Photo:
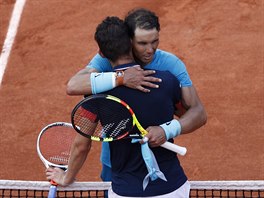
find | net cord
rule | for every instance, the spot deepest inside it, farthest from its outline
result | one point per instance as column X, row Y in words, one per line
column 213, row 185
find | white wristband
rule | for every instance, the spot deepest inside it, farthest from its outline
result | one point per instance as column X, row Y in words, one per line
column 172, row 129
column 101, row 82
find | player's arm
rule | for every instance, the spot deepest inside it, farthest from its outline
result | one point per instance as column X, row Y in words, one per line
column 191, row 116
column 134, row 77
column 80, row 149
column 195, row 116
column 80, row 83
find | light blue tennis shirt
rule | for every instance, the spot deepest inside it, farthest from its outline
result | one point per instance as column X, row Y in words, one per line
column 163, row 61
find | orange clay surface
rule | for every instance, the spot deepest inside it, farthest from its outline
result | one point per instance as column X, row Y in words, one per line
column 220, row 41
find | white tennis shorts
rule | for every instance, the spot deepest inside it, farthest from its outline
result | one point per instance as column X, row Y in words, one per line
column 182, row 192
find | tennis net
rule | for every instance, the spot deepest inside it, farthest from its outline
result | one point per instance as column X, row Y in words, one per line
column 223, row 189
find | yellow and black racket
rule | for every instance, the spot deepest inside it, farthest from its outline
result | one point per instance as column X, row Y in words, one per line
column 107, row 118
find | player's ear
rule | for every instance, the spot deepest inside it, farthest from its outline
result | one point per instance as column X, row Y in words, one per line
column 101, row 53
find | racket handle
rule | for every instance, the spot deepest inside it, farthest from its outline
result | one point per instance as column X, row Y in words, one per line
column 52, row 190
column 175, row 148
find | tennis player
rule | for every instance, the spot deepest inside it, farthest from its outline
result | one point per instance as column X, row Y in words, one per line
column 144, row 30
column 153, row 110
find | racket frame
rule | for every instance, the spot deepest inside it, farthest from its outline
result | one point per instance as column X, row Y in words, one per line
column 45, row 161
column 53, row 185
column 168, row 145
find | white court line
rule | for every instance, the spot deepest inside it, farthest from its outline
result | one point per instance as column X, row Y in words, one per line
column 10, row 36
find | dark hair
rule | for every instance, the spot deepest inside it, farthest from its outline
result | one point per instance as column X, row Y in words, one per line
column 141, row 18
column 112, row 38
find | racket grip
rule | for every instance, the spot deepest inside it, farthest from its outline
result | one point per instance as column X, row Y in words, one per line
column 52, row 190
column 175, row 148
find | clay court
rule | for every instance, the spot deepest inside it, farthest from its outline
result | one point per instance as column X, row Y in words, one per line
column 220, row 41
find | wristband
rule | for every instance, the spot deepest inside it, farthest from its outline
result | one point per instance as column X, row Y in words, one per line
column 172, row 129
column 101, row 82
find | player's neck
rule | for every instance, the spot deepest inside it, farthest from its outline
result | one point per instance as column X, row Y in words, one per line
column 123, row 60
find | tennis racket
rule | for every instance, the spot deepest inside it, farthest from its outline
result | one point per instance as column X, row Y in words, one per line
column 107, row 118
column 53, row 147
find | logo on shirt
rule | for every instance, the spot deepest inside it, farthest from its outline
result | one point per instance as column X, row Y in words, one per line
column 168, row 123
column 97, row 74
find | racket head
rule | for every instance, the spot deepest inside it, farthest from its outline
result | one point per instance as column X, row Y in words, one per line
column 54, row 144
column 103, row 117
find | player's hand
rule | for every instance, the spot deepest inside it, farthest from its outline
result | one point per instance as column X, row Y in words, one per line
column 57, row 175
column 156, row 136
column 137, row 78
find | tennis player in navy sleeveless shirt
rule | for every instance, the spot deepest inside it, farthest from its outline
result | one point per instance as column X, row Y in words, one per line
column 152, row 109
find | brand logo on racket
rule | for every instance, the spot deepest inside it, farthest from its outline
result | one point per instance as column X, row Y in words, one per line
column 117, row 130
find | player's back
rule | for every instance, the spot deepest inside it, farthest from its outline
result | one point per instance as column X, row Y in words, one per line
column 151, row 109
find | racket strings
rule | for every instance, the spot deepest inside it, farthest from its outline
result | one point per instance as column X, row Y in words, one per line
column 121, row 126
column 55, row 144
column 109, row 119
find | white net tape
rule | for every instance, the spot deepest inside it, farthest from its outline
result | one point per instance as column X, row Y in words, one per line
column 43, row 185
column 199, row 189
